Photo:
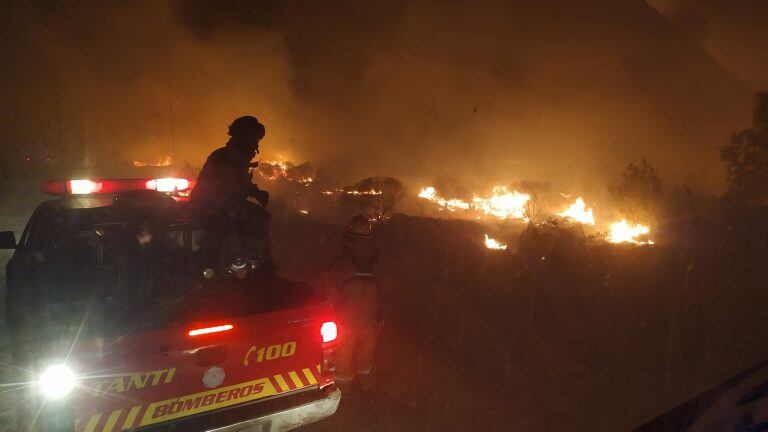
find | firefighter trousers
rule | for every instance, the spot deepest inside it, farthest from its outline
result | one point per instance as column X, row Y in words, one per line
column 355, row 355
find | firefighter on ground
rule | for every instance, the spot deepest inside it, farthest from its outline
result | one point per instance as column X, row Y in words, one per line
column 228, row 206
column 356, row 296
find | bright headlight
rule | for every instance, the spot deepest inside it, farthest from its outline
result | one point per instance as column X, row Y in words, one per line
column 57, row 381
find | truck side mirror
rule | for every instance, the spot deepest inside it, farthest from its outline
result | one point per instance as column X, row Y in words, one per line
column 7, row 240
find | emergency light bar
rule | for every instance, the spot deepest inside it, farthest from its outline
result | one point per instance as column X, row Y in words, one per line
column 113, row 186
column 168, row 184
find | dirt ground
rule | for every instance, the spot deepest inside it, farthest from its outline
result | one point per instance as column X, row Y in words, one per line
column 592, row 339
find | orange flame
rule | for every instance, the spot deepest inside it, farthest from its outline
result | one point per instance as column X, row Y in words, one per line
column 623, row 232
column 505, row 204
column 579, row 212
column 492, row 243
column 164, row 161
column 453, row 204
column 502, row 203
column 274, row 170
column 352, row 192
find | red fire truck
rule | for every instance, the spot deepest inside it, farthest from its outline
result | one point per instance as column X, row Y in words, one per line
column 114, row 327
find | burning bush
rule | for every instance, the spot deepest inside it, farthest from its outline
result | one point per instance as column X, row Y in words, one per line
column 376, row 196
column 288, row 171
column 538, row 196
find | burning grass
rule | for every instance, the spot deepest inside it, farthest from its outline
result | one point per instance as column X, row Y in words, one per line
column 524, row 202
column 494, row 244
column 501, row 203
column 624, row 232
column 161, row 162
column 505, row 204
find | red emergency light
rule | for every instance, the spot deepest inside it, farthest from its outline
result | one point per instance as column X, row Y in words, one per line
column 113, row 186
column 209, row 330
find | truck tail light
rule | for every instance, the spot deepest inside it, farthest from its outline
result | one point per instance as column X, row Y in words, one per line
column 209, row 330
column 330, row 334
column 329, row 331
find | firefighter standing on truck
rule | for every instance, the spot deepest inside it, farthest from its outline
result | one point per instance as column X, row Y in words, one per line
column 229, row 208
column 356, row 296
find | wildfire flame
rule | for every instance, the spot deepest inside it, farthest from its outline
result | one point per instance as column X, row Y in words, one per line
column 502, row 204
column 579, row 212
column 506, row 204
column 623, row 232
column 274, row 170
column 352, row 192
column 164, row 161
column 492, row 243
column 430, row 193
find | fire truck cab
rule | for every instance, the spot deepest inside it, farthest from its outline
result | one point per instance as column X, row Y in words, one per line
column 114, row 327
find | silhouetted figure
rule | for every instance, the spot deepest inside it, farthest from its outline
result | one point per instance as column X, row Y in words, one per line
column 226, row 204
column 356, row 296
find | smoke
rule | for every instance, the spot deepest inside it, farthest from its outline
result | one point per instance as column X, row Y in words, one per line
column 127, row 81
column 734, row 33
column 489, row 91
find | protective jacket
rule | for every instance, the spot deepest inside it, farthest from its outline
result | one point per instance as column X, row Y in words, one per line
column 224, row 183
column 234, row 227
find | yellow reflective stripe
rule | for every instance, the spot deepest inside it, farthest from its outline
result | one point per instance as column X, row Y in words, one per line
column 169, row 375
column 92, row 422
column 112, row 420
column 319, row 369
column 131, row 417
column 281, row 382
column 296, row 380
column 310, row 376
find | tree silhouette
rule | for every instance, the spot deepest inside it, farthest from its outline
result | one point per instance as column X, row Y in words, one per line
column 536, row 204
column 746, row 158
column 639, row 193
column 376, row 196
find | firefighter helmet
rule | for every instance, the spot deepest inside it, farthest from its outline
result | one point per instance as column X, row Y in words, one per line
column 246, row 126
column 359, row 227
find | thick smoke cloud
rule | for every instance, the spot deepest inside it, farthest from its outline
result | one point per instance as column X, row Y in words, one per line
column 126, row 80
column 480, row 91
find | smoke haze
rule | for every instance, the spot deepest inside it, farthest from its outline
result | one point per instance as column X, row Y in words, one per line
column 564, row 91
